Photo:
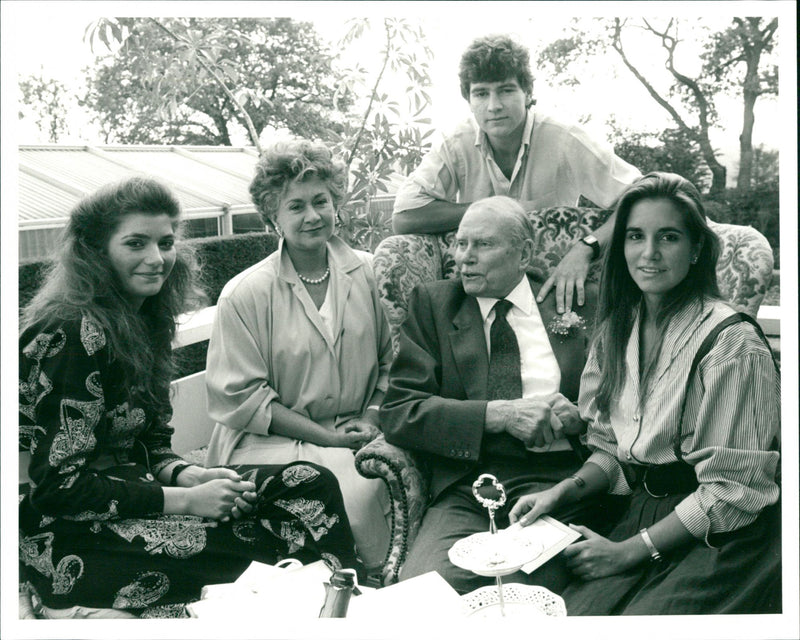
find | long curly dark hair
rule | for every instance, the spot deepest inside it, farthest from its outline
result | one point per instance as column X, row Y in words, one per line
column 81, row 281
column 620, row 296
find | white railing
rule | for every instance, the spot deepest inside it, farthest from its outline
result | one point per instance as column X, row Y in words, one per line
column 190, row 418
column 194, row 327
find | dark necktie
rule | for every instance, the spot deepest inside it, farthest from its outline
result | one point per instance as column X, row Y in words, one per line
column 504, row 383
column 505, row 379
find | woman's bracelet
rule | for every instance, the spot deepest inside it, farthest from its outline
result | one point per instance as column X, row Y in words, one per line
column 655, row 556
column 176, row 471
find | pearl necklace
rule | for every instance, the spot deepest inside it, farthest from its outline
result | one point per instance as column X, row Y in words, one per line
column 319, row 280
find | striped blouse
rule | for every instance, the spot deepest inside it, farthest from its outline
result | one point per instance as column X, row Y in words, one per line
column 732, row 416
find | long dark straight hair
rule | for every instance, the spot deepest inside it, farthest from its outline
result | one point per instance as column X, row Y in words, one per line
column 81, row 282
column 620, row 297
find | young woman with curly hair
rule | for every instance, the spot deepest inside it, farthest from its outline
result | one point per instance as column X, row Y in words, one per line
column 112, row 517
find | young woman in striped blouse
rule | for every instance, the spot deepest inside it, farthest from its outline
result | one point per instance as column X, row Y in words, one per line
column 693, row 452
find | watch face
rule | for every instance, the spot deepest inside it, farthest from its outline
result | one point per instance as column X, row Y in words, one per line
column 594, row 244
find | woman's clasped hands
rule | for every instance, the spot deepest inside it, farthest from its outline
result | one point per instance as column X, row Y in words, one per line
column 357, row 432
column 218, row 493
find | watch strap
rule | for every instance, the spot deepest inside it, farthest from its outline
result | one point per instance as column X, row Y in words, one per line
column 593, row 244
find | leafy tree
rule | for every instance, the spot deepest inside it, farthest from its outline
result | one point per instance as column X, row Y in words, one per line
column 733, row 58
column 383, row 137
column 171, row 64
column 44, row 100
column 690, row 97
column 197, row 81
column 671, row 150
column 758, row 206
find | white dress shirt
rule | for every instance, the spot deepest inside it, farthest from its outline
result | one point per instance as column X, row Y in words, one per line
column 541, row 375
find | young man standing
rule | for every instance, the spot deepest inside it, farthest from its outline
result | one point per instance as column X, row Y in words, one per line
column 509, row 148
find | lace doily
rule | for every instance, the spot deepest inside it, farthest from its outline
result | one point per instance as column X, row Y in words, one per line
column 520, row 600
column 497, row 554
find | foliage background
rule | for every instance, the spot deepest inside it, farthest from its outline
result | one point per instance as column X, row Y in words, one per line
column 217, row 80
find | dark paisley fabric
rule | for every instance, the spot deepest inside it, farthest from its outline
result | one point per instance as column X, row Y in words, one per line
column 92, row 532
column 744, row 272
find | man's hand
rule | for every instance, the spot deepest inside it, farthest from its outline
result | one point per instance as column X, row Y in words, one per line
column 569, row 275
column 568, row 414
column 525, row 419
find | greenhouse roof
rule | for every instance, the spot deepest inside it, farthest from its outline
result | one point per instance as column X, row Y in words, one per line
column 53, row 178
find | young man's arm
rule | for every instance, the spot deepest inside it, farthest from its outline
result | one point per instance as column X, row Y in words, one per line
column 427, row 200
column 569, row 277
column 602, row 176
column 438, row 216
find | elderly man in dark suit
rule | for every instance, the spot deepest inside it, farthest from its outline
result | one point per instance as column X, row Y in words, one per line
column 484, row 382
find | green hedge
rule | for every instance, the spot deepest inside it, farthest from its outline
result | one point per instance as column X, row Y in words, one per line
column 758, row 208
column 190, row 359
column 30, row 279
column 220, row 259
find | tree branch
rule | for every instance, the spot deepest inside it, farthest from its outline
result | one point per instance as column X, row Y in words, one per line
column 617, row 44
column 213, row 73
column 360, row 133
column 670, row 43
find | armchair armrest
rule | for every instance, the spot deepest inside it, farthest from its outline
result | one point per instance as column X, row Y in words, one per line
column 744, row 268
column 407, row 479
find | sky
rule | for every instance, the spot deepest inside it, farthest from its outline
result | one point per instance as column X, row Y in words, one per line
column 49, row 35
column 58, row 49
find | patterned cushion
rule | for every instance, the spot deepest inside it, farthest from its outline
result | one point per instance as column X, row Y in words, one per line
column 401, row 262
column 744, row 269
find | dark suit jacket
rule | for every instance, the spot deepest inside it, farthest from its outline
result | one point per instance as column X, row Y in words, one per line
column 436, row 400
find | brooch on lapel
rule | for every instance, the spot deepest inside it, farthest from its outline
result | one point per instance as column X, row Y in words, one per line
column 566, row 324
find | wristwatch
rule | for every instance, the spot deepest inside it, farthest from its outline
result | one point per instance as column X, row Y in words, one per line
column 594, row 244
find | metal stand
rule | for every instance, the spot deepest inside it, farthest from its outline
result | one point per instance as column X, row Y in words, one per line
column 492, row 504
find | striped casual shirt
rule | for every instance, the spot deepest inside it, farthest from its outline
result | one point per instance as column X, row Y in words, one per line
column 732, row 417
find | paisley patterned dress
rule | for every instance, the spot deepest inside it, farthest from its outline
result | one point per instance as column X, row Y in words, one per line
column 92, row 528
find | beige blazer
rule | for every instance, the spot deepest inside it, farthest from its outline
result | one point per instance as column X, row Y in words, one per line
column 270, row 344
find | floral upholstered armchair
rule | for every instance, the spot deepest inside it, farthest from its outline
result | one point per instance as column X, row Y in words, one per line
column 401, row 262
